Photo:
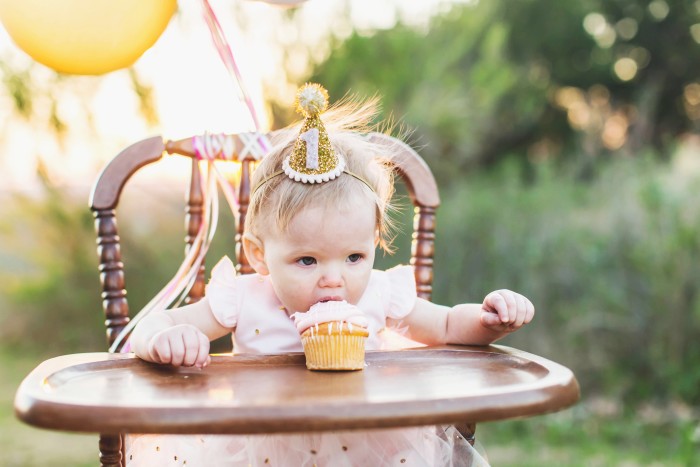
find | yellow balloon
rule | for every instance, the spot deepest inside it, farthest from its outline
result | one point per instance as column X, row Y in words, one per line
column 86, row 37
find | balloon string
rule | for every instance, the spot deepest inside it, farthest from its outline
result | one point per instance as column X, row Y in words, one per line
column 224, row 50
column 254, row 144
column 207, row 148
column 185, row 274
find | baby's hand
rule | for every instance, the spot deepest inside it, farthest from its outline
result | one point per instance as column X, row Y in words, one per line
column 182, row 344
column 506, row 311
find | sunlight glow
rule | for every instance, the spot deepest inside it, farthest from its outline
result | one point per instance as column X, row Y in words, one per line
column 192, row 91
column 597, row 26
column 659, row 9
column 627, row 28
column 615, row 131
column 695, row 32
column 592, row 113
column 594, row 24
column 691, row 100
column 625, row 68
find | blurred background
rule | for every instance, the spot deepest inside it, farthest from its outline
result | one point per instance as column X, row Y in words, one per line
column 565, row 137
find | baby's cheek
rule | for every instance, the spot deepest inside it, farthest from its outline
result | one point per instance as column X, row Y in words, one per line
column 358, row 287
column 299, row 295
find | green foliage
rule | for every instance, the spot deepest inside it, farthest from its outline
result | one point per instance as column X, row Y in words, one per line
column 582, row 43
column 50, row 289
column 17, row 84
column 49, row 286
column 582, row 436
column 146, row 98
column 455, row 84
column 612, row 266
column 36, row 96
column 25, row 446
column 541, row 79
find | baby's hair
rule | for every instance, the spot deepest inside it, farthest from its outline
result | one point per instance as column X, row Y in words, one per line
column 275, row 202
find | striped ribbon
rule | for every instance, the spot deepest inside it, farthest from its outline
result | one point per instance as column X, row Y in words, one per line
column 207, row 148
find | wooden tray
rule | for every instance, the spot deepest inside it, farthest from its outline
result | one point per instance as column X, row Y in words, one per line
column 109, row 393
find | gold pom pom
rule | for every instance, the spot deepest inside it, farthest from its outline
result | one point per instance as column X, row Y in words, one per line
column 311, row 100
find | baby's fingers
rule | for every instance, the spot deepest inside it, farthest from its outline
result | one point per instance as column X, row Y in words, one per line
column 200, row 355
column 491, row 320
column 501, row 303
column 529, row 312
column 203, row 358
column 194, row 345
column 179, row 345
column 520, row 311
column 159, row 349
column 178, row 349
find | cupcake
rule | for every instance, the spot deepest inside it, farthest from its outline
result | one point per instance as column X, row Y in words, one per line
column 333, row 335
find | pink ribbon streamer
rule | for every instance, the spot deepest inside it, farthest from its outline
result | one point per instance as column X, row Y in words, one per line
column 226, row 55
column 206, row 148
column 186, row 274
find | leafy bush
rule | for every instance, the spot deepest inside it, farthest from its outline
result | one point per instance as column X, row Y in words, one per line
column 50, row 282
column 51, row 286
column 611, row 265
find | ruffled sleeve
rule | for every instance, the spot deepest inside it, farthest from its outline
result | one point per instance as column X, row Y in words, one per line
column 401, row 292
column 224, row 298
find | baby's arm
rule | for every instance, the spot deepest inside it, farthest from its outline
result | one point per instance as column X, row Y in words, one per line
column 502, row 312
column 179, row 336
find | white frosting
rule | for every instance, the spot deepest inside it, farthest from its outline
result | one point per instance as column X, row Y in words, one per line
column 324, row 312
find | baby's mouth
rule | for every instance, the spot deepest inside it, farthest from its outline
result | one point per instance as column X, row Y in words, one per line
column 330, row 299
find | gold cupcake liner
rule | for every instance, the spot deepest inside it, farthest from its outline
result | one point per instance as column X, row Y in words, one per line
column 334, row 351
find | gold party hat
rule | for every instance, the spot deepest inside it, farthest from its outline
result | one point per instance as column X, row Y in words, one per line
column 313, row 159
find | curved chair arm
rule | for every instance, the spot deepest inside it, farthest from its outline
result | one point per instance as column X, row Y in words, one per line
column 423, row 190
column 105, row 192
column 415, row 172
column 104, row 198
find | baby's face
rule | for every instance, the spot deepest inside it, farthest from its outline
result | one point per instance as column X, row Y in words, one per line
column 326, row 254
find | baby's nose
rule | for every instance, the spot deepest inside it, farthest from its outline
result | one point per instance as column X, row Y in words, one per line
column 332, row 277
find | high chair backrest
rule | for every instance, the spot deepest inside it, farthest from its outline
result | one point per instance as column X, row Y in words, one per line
column 106, row 193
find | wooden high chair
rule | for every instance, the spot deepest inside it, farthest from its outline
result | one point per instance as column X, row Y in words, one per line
column 431, row 385
column 107, row 190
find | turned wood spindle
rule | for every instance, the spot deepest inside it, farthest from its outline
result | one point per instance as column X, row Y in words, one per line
column 193, row 222
column 423, row 250
column 111, row 270
column 242, row 264
column 111, row 451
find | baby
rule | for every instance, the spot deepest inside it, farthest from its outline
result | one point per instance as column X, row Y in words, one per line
column 318, row 210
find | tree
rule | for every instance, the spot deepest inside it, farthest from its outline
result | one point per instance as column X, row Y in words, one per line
column 533, row 77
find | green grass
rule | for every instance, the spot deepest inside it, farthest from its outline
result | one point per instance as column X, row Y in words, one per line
column 580, row 436
column 25, row 446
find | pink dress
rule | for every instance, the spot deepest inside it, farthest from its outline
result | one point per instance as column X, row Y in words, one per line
column 261, row 325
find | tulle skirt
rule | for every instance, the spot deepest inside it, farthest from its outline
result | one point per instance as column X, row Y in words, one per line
column 427, row 446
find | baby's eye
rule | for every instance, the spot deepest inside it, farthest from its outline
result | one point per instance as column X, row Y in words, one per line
column 306, row 260
column 354, row 258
